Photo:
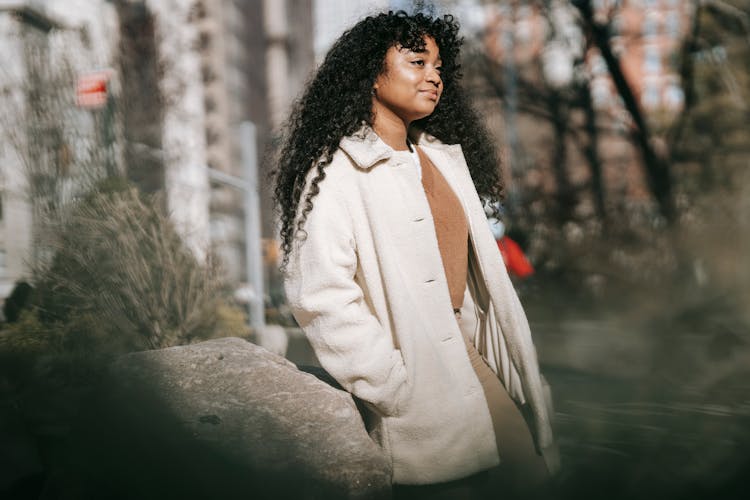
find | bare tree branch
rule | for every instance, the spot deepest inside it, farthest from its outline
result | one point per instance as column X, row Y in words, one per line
column 657, row 168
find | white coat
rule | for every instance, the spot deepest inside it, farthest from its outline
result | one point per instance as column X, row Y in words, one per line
column 367, row 286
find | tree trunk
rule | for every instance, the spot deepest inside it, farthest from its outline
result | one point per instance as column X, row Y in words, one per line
column 657, row 168
column 591, row 151
column 565, row 198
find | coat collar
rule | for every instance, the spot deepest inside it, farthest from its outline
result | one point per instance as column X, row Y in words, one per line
column 366, row 148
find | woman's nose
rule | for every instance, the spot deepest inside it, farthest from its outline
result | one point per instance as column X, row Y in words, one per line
column 433, row 77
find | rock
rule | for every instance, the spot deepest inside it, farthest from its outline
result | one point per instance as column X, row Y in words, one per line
column 227, row 419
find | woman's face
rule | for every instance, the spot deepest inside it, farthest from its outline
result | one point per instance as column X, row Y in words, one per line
column 409, row 87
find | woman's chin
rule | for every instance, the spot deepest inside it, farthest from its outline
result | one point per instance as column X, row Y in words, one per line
column 423, row 114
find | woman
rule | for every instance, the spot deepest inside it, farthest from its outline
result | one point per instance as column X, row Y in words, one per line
column 391, row 269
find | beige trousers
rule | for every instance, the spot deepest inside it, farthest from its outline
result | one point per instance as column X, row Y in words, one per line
column 520, row 467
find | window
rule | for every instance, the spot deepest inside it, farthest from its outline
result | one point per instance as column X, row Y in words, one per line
column 600, row 94
column 674, row 97
column 207, row 73
column 204, row 41
column 618, row 46
column 524, row 24
column 616, row 26
column 209, row 103
column 598, row 65
column 651, row 98
column 198, row 11
column 524, row 12
column 651, row 25
column 212, row 136
column 672, row 23
column 651, row 59
column 2, row 262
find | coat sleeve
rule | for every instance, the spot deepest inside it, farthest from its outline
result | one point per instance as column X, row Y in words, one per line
column 330, row 307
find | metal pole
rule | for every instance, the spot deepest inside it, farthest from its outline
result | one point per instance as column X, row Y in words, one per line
column 253, row 250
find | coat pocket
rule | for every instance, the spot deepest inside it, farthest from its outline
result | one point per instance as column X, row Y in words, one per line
column 391, row 404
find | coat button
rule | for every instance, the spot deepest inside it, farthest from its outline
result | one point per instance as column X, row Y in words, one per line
column 418, row 219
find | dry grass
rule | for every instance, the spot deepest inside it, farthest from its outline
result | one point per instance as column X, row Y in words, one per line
column 120, row 262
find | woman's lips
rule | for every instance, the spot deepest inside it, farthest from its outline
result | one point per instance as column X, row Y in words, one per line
column 432, row 94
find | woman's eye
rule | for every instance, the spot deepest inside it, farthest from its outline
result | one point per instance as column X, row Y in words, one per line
column 418, row 62
column 439, row 69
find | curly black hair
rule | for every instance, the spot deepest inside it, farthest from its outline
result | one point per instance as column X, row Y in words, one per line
column 338, row 100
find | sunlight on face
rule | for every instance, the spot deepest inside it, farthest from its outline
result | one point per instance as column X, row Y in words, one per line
column 410, row 86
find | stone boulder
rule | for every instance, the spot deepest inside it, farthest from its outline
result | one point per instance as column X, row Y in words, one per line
column 228, row 419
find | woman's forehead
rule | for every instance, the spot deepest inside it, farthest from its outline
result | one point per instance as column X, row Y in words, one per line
column 428, row 47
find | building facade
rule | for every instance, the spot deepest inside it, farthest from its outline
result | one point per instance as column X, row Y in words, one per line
column 45, row 139
column 184, row 75
column 15, row 209
column 646, row 35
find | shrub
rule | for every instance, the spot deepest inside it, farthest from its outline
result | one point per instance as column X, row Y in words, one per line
column 122, row 279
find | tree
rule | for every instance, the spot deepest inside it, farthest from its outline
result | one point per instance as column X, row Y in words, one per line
column 687, row 157
column 656, row 166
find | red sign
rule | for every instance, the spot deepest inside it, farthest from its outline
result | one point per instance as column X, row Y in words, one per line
column 91, row 89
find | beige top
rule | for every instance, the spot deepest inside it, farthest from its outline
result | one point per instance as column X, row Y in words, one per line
column 450, row 226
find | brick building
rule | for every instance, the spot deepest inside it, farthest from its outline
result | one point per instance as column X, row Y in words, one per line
column 646, row 36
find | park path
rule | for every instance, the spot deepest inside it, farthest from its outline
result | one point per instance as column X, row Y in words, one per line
column 648, row 411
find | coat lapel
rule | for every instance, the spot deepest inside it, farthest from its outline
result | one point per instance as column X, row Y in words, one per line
column 486, row 261
column 448, row 159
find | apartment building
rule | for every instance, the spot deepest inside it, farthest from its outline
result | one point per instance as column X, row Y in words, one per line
column 255, row 57
column 43, row 135
column 646, row 36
